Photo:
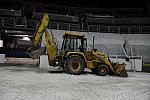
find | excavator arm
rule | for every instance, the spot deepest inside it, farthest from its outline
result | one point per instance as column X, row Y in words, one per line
column 41, row 29
column 36, row 51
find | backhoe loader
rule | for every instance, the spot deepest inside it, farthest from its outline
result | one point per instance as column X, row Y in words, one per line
column 73, row 57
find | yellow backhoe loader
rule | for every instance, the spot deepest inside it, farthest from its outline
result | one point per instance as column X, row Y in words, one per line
column 73, row 56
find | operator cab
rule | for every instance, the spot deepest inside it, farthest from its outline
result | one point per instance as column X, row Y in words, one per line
column 73, row 42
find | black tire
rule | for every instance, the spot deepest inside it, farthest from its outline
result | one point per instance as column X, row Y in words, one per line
column 75, row 65
column 102, row 70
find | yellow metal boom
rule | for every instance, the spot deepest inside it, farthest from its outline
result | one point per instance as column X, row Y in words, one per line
column 50, row 41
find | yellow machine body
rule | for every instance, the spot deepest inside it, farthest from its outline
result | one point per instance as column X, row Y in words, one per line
column 72, row 57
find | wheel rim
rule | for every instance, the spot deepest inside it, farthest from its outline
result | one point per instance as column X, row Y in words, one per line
column 102, row 71
column 75, row 65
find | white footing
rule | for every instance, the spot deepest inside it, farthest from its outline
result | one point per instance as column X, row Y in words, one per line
column 44, row 64
column 2, row 58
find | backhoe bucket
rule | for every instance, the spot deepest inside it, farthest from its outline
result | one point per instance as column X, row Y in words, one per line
column 35, row 54
column 120, row 70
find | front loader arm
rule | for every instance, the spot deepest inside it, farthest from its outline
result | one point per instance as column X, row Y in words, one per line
column 105, row 60
column 118, row 69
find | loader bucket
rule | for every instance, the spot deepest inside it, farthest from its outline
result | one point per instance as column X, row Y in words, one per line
column 120, row 70
column 123, row 73
column 34, row 54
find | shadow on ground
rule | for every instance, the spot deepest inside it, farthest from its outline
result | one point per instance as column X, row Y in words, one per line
column 13, row 67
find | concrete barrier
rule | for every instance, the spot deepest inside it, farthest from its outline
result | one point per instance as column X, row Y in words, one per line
column 134, row 63
column 2, row 58
column 44, row 64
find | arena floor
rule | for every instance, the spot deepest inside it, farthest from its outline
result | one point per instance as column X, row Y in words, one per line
column 27, row 82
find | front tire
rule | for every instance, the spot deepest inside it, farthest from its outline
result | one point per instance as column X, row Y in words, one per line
column 75, row 65
column 102, row 70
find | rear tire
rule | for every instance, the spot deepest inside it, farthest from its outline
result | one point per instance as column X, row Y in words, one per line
column 75, row 65
column 64, row 67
